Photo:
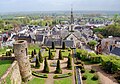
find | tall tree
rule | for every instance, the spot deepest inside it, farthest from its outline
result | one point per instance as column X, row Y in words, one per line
column 58, row 69
column 63, row 45
column 35, row 52
column 50, row 55
column 46, row 68
column 37, row 63
column 53, row 45
column 40, row 57
column 32, row 54
column 69, row 62
column 60, row 55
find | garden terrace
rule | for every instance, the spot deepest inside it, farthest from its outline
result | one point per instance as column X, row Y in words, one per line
column 46, row 53
column 89, row 77
column 3, row 50
column 32, row 47
column 4, row 65
column 65, row 52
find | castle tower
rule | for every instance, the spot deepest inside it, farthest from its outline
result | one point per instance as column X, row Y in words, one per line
column 20, row 51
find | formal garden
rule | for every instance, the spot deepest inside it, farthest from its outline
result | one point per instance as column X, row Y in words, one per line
column 50, row 64
column 109, row 64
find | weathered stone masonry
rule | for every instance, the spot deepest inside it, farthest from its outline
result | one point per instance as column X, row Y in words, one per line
column 20, row 51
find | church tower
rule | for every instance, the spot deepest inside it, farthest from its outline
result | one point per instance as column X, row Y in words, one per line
column 71, row 20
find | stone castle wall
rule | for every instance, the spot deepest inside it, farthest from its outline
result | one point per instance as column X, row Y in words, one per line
column 12, row 75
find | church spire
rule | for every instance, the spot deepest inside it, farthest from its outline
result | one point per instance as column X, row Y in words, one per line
column 72, row 18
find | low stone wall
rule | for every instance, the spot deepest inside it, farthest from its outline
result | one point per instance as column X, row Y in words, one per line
column 12, row 75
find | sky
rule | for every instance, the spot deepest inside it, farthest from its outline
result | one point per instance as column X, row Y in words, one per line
column 58, row 5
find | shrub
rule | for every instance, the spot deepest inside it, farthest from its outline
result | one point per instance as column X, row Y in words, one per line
column 53, row 45
column 69, row 62
column 50, row 55
column 46, row 68
column 63, row 45
column 40, row 57
column 58, row 69
column 46, row 48
column 69, row 49
column 62, row 75
column 82, row 70
column 35, row 52
column 80, row 66
column 92, row 71
column 84, row 77
column 95, row 77
column 60, row 55
column 39, row 75
column 37, row 63
column 32, row 54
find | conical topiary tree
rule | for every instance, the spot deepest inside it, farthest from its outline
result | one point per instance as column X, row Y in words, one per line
column 58, row 69
column 50, row 55
column 35, row 52
column 60, row 55
column 40, row 57
column 53, row 45
column 32, row 54
column 37, row 63
column 46, row 68
column 63, row 45
column 69, row 62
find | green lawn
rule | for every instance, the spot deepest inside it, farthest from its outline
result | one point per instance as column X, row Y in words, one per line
column 37, row 81
column 65, row 53
column 4, row 65
column 32, row 47
column 63, row 81
column 45, row 53
column 89, row 78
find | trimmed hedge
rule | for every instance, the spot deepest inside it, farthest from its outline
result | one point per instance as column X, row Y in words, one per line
column 95, row 77
column 92, row 71
column 62, row 75
column 82, row 70
column 84, row 77
column 39, row 75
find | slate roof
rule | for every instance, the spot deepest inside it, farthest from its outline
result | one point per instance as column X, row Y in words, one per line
column 58, row 42
column 116, row 51
column 69, row 43
column 39, row 38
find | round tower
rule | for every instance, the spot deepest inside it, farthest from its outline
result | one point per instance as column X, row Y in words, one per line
column 20, row 51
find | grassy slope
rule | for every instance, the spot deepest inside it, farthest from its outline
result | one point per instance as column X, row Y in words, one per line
column 4, row 65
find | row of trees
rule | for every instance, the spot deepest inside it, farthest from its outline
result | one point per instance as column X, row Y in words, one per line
column 39, row 59
column 63, row 45
column 111, row 30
